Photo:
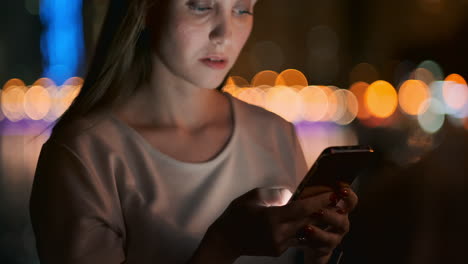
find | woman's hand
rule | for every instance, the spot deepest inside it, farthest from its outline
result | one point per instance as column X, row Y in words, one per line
column 326, row 232
column 259, row 223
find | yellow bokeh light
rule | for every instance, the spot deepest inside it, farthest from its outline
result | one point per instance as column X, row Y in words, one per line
column 412, row 95
column 37, row 102
column 359, row 89
column 285, row 102
column 64, row 98
column 264, row 78
column 381, row 99
column 347, row 107
column 332, row 103
column 230, row 88
column 237, row 81
column 254, row 96
column 314, row 103
column 12, row 103
column 291, row 77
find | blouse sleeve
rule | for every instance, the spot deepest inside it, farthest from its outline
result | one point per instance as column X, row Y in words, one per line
column 75, row 214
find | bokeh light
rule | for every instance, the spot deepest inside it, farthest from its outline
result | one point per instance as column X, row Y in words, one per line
column 44, row 82
column 264, row 78
column 359, row 89
column 314, row 103
column 347, row 107
column 37, row 102
column 381, row 99
column 332, row 102
column 237, row 81
column 255, row 96
column 13, row 82
column 412, row 95
column 285, row 102
column 2, row 116
column 423, row 75
column 65, row 97
column 12, row 103
column 433, row 68
column 291, row 77
column 455, row 93
column 432, row 119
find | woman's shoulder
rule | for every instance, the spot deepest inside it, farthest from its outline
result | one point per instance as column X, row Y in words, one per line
column 92, row 131
column 258, row 118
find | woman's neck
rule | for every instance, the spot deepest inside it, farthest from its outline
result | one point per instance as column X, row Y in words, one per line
column 172, row 104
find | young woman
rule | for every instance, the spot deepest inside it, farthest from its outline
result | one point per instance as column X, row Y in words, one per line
column 153, row 164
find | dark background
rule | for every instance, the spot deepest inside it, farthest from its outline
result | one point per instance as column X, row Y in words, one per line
column 413, row 201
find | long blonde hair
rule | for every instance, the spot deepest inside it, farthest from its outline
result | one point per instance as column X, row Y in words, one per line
column 122, row 54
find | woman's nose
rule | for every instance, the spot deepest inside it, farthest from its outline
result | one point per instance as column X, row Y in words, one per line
column 222, row 30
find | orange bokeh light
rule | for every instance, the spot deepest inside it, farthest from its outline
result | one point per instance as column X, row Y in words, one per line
column 381, row 99
column 13, row 82
column 291, row 77
column 456, row 78
column 412, row 95
column 44, row 82
column 359, row 90
column 264, row 78
column 237, row 81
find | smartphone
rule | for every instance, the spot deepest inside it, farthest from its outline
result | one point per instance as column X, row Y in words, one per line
column 337, row 164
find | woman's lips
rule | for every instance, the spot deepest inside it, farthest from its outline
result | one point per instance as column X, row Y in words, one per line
column 215, row 63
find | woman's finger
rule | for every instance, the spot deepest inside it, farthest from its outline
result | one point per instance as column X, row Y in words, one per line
column 335, row 220
column 301, row 209
column 349, row 199
column 318, row 238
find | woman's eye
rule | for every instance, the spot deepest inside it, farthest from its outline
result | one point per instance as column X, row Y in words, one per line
column 243, row 12
column 199, row 8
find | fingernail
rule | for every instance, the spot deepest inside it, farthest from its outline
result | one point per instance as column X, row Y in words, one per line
column 343, row 193
column 341, row 211
column 319, row 213
column 309, row 230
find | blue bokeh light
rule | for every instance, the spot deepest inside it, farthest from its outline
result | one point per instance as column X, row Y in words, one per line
column 62, row 42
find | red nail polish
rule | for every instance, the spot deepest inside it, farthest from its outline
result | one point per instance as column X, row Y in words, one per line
column 341, row 211
column 319, row 213
column 344, row 193
column 309, row 230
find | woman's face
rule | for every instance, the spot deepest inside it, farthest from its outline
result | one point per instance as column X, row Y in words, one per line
column 198, row 41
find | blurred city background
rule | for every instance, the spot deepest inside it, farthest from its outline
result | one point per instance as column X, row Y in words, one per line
column 390, row 74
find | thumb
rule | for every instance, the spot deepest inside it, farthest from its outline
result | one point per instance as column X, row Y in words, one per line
column 274, row 196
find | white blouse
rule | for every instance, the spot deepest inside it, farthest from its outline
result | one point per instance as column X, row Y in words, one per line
column 103, row 194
